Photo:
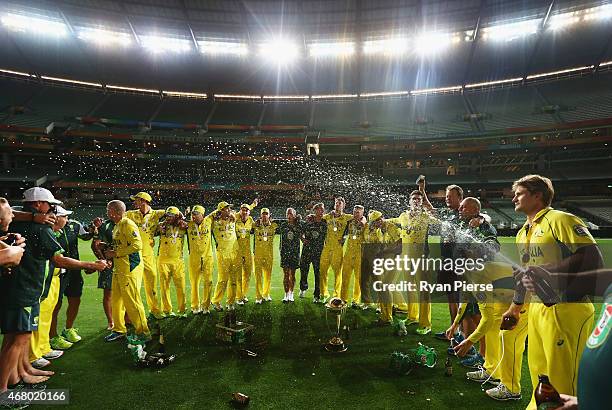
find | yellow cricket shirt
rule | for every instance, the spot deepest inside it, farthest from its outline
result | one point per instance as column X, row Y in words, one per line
column 171, row 244
column 127, row 243
column 147, row 224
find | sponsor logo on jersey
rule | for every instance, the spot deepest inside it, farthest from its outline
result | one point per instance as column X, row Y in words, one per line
column 581, row 230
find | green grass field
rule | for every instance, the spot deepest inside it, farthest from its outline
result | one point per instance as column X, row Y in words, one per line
column 292, row 371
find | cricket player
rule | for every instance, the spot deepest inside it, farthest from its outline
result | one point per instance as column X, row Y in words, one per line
column 265, row 230
column 199, row 241
column 244, row 226
column 224, row 232
column 414, row 230
column 332, row 251
column 560, row 242
column 127, row 274
column 313, row 239
column 103, row 237
column 147, row 220
column 351, row 261
column 170, row 263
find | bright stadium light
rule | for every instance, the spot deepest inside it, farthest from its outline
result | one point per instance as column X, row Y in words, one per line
column 140, row 90
column 512, row 31
column 105, row 38
column 431, row 43
column 69, row 81
column 185, row 94
column 563, row 20
column 384, row 94
column 20, row 73
column 18, row 22
column 280, row 51
column 158, row 44
column 390, row 46
column 223, row 47
column 342, row 49
column 598, row 13
column 440, row 90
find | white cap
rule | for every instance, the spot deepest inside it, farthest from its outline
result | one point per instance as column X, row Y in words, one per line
column 59, row 211
column 40, row 194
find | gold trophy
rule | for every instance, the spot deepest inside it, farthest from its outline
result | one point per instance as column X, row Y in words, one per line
column 337, row 307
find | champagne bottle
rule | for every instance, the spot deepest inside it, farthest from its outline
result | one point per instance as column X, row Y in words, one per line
column 546, row 396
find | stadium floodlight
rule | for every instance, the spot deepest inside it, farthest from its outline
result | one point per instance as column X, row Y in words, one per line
column 20, row 73
column 384, row 94
column 223, row 47
column 280, row 51
column 341, row 49
column 496, row 82
column 286, row 97
column 563, row 20
column 390, row 46
column 69, row 81
column 105, row 38
column 238, row 96
column 140, row 90
column 184, row 94
column 553, row 73
column 440, row 90
column 18, row 22
column 333, row 96
column 605, row 63
column 511, row 31
column 431, row 43
column 159, row 44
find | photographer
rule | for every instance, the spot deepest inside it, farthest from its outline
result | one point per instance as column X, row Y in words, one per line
column 11, row 247
column 21, row 290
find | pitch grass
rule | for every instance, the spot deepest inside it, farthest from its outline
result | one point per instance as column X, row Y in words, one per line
column 291, row 371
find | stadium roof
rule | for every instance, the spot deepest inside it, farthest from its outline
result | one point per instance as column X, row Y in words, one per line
column 487, row 40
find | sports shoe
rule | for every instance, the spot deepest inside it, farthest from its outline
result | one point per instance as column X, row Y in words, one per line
column 378, row 311
column 40, row 363
column 114, row 336
column 502, row 393
column 170, row 314
column 240, row 302
column 181, row 315
column 481, row 376
column 53, row 354
column 423, row 330
column 196, row 311
column 302, row 294
column 245, row 299
column 258, row 301
column 71, row 335
column 269, row 298
column 473, row 362
column 315, row 300
column 59, row 343
column 291, row 297
column 365, row 306
column 218, row 307
column 230, row 306
column 205, row 311
column 286, row 298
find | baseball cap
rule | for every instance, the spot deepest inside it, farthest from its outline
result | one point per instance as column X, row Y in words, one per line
column 199, row 209
column 39, row 194
column 247, row 206
column 142, row 195
column 172, row 210
column 265, row 211
column 374, row 215
column 59, row 211
column 222, row 205
column 318, row 205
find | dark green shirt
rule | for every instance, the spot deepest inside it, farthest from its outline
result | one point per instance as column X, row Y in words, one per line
column 105, row 234
column 69, row 238
column 315, row 232
column 595, row 371
column 26, row 285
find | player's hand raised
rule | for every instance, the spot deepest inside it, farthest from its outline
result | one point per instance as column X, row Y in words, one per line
column 44, row 219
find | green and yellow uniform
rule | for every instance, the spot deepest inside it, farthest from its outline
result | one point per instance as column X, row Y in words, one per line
column 147, row 225
column 332, row 252
column 199, row 238
column 224, row 232
column 557, row 334
column 127, row 277
column 39, row 344
column 351, row 261
column 245, row 254
column 264, row 256
column 171, row 267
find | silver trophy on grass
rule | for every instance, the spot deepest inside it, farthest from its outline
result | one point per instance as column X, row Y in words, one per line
column 336, row 307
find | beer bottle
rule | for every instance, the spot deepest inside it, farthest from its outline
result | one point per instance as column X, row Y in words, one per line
column 162, row 346
column 546, row 396
column 448, row 372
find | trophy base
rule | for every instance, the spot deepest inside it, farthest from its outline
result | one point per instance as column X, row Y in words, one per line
column 336, row 345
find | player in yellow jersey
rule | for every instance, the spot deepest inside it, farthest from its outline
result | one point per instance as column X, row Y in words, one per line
column 199, row 235
column 147, row 220
column 264, row 230
column 332, row 250
column 414, row 230
column 559, row 325
column 244, row 225
column 127, row 274
column 351, row 261
column 224, row 232
column 170, row 263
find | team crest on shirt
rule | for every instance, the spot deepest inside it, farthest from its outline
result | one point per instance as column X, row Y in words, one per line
column 134, row 234
column 581, row 230
column 602, row 330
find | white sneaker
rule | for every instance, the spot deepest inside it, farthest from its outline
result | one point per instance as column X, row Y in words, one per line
column 291, row 297
column 205, row 311
column 245, row 299
column 269, row 298
column 53, row 354
column 40, row 363
column 230, row 307
column 196, row 311
column 286, row 298
column 240, row 302
column 218, row 307
column 502, row 393
column 481, row 376
column 259, row 301
column 302, row 293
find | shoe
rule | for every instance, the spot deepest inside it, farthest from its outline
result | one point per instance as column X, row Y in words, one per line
column 378, row 311
column 269, row 298
column 71, row 335
column 218, row 307
column 422, row 330
column 40, row 363
column 181, row 315
column 473, row 362
column 230, row 307
column 502, row 393
column 315, row 300
column 302, row 294
column 258, row 301
column 114, row 336
column 53, row 354
column 285, row 299
column 196, row 311
column 170, row 314
column 240, row 302
column 481, row 376
column 206, row 311
column 245, row 299
column 365, row 306
column 59, row 343
column 291, row 297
